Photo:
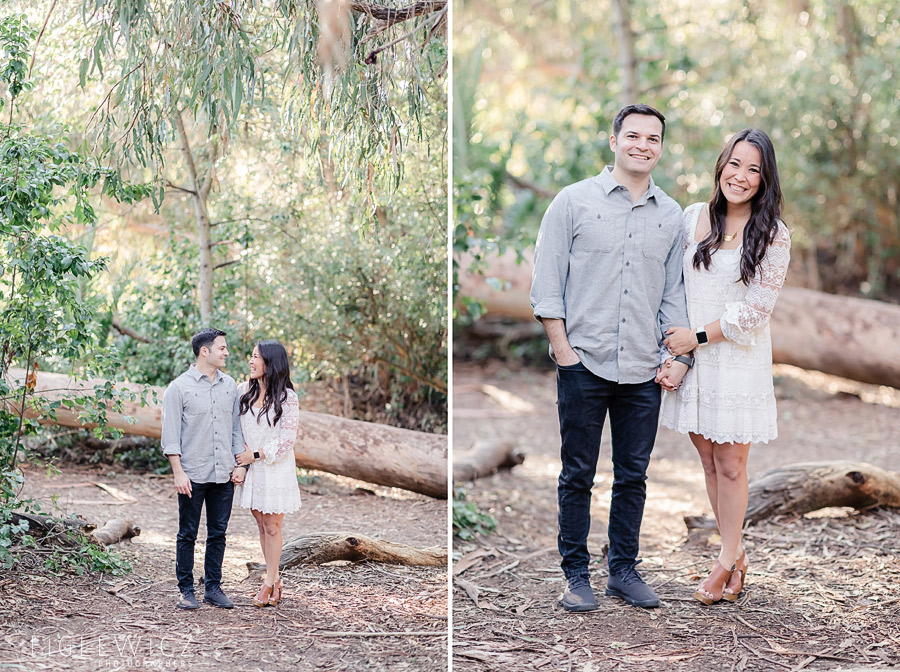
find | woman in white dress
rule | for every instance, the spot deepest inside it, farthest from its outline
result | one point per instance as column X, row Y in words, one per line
column 736, row 256
column 270, row 413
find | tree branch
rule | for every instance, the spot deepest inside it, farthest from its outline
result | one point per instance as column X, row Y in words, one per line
column 227, row 263
column 393, row 15
column 40, row 35
column 128, row 331
column 177, row 188
column 522, row 183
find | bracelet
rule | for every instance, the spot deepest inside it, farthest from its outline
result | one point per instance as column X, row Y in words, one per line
column 689, row 361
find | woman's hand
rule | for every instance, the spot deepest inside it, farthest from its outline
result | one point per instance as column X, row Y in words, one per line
column 238, row 475
column 246, row 458
column 680, row 340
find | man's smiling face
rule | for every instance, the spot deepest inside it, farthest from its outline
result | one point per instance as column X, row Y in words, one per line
column 638, row 144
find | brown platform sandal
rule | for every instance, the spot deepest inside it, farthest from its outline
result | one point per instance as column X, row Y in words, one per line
column 712, row 587
column 276, row 594
column 263, row 596
column 738, row 579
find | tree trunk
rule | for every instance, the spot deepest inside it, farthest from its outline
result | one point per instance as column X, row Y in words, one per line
column 840, row 335
column 199, row 195
column 486, row 458
column 315, row 549
column 116, row 530
column 627, row 59
column 380, row 454
column 810, row 486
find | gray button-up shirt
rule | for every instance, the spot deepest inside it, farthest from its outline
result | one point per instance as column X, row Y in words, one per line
column 200, row 422
column 611, row 269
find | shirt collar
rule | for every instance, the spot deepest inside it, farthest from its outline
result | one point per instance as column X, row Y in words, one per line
column 195, row 373
column 609, row 183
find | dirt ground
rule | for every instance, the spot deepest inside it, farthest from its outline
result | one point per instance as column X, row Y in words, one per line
column 338, row 616
column 822, row 589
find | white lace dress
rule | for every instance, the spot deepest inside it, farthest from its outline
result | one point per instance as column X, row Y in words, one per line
column 728, row 395
column 270, row 485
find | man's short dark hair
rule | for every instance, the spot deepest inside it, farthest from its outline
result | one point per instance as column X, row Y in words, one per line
column 204, row 339
column 640, row 108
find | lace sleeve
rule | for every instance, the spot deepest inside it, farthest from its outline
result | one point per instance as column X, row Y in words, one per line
column 742, row 319
column 688, row 233
column 287, row 430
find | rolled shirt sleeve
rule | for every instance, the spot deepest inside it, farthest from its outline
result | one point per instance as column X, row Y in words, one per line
column 237, row 434
column 673, row 307
column 171, row 420
column 551, row 261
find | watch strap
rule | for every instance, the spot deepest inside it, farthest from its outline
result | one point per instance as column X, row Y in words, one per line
column 689, row 361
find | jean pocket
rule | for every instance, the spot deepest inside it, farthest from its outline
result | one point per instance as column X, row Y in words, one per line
column 571, row 367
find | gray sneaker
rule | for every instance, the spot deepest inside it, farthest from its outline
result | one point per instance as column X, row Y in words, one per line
column 217, row 598
column 578, row 596
column 188, row 601
column 629, row 585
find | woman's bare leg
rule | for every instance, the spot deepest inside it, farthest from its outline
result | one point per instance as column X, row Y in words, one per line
column 705, row 451
column 732, row 489
column 273, row 540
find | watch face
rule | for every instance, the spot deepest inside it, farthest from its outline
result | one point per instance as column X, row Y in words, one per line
column 702, row 338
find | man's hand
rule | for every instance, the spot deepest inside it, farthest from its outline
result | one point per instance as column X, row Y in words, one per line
column 670, row 374
column 182, row 483
column 567, row 358
column 238, row 475
column 680, row 340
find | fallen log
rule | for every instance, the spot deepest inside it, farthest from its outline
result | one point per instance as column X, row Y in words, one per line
column 116, row 530
column 48, row 525
column 486, row 458
column 367, row 451
column 810, row 486
column 318, row 548
column 840, row 335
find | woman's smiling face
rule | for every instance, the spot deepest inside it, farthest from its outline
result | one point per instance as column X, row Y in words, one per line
column 257, row 365
column 741, row 176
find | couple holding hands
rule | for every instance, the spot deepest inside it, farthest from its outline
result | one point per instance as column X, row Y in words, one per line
column 634, row 295
column 226, row 442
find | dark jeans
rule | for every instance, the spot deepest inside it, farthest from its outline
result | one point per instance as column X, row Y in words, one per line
column 584, row 400
column 218, row 498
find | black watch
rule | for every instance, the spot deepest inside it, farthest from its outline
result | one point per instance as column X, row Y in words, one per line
column 255, row 454
column 685, row 360
column 702, row 336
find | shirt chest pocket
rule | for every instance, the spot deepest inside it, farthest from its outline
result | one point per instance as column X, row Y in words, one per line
column 196, row 403
column 656, row 241
column 596, row 235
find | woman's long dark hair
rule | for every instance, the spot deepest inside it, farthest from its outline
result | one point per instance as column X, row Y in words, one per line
column 277, row 379
column 764, row 213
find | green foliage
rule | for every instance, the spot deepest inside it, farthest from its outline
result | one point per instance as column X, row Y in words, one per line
column 44, row 317
column 212, row 60
column 81, row 555
column 818, row 79
column 468, row 521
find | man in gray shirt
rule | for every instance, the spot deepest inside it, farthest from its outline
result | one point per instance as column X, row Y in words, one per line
column 201, row 434
column 607, row 284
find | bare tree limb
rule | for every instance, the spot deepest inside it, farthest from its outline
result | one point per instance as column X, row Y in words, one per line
column 394, row 15
column 522, row 183
column 128, row 331
column 40, row 35
column 227, row 263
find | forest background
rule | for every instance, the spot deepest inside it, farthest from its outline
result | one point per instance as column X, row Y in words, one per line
column 274, row 169
column 535, row 93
